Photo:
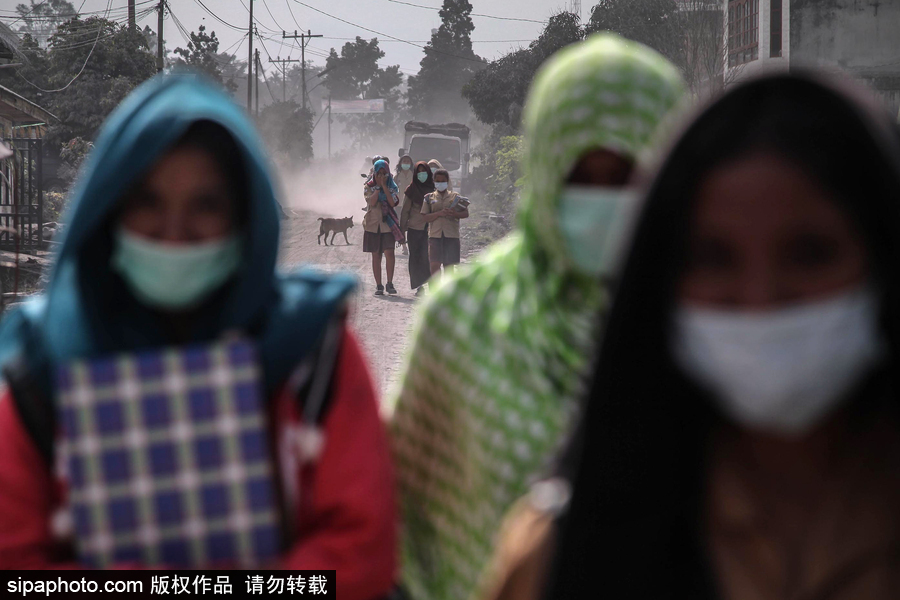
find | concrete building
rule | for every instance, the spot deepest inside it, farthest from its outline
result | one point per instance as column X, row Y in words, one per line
column 859, row 37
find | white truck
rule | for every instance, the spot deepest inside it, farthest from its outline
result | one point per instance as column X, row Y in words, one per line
column 447, row 143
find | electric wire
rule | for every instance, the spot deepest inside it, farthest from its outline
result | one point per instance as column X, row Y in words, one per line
column 473, row 14
column 313, row 8
column 218, row 18
column 91, row 53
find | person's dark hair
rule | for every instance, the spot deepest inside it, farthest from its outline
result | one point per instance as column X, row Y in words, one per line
column 638, row 456
column 400, row 162
column 417, row 189
column 216, row 141
column 443, row 172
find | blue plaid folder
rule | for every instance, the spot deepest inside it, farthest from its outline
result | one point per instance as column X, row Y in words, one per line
column 167, row 459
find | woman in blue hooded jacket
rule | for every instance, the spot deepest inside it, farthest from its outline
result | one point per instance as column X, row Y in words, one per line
column 172, row 242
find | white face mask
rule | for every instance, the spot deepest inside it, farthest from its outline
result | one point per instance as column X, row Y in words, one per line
column 781, row 370
column 595, row 223
column 405, row 166
column 441, row 186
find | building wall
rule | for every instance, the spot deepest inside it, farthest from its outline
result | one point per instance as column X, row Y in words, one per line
column 860, row 37
column 857, row 36
column 765, row 63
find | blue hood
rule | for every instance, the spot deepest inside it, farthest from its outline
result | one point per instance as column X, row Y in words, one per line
column 87, row 310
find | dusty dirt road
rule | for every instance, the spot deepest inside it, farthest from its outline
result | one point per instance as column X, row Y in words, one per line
column 382, row 322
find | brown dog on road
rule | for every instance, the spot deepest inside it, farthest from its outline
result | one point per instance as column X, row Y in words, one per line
column 334, row 226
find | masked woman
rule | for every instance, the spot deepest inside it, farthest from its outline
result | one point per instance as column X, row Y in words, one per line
column 170, row 248
column 381, row 224
column 742, row 436
column 412, row 222
column 442, row 213
column 403, row 177
column 493, row 375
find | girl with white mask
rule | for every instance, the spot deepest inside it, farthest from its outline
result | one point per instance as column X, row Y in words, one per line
column 514, row 331
column 741, row 439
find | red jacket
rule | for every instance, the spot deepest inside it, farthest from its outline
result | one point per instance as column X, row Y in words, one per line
column 346, row 512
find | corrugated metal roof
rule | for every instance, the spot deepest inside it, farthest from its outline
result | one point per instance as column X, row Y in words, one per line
column 15, row 108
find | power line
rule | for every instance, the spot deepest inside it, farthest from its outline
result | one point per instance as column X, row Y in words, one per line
column 235, row 45
column 257, row 21
column 217, row 17
column 344, row 39
column 181, row 28
column 274, row 20
column 91, row 53
column 473, row 14
column 33, row 8
column 266, row 80
column 68, row 16
column 314, row 51
column 476, row 60
column 283, row 62
column 79, row 44
column 88, row 31
column 291, row 10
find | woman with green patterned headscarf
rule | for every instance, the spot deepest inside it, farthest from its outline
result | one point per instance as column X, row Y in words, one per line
column 500, row 350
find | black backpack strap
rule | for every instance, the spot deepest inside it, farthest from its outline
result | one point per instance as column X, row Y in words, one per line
column 312, row 382
column 34, row 408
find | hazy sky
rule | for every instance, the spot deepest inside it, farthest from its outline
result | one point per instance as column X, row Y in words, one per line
column 492, row 37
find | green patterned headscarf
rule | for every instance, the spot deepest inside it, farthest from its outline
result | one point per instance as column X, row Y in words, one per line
column 500, row 348
column 604, row 93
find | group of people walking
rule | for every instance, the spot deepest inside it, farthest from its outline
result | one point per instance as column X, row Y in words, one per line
column 428, row 224
column 675, row 379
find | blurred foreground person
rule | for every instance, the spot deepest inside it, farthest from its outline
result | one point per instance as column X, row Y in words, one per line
column 742, row 436
column 169, row 257
column 413, row 224
column 381, row 224
column 494, row 372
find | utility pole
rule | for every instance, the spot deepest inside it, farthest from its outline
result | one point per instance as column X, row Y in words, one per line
column 250, row 64
column 329, row 126
column 159, row 36
column 304, row 38
column 132, row 23
column 283, row 62
column 257, row 83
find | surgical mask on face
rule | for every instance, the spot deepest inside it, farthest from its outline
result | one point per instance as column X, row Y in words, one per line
column 781, row 370
column 595, row 223
column 174, row 277
column 441, row 186
column 433, row 170
column 422, row 177
column 405, row 166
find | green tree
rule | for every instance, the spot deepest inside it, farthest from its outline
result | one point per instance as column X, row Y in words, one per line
column 202, row 54
column 35, row 69
column 355, row 75
column 650, row 22
column 448, row 65
column 232, row 70
column 287, row 128
column 497, row 92
column 96, row 73
column 40, row 18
